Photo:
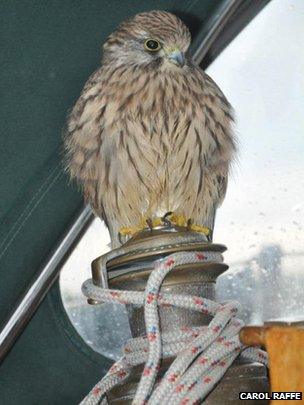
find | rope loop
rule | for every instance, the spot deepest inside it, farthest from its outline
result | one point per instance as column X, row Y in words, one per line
column 202, row 354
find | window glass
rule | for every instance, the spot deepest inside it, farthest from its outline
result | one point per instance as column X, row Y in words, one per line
column 103, row 327
column 262, row 218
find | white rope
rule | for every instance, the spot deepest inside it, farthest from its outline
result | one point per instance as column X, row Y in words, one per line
column 203, row 354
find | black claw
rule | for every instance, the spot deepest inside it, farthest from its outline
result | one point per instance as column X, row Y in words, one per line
column 165, row 219
column 149, row 223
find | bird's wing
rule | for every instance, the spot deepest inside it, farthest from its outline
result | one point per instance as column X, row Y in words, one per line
column 217, row 135
column 83, row 137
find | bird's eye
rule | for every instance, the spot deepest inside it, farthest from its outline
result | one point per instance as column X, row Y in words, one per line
column 152, row 45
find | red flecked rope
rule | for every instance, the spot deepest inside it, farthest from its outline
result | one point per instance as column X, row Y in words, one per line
column 203, row 354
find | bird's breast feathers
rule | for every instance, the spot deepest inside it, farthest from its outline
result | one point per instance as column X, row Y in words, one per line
column 144, row 142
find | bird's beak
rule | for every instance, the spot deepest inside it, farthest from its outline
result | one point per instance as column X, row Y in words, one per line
column 177, row 57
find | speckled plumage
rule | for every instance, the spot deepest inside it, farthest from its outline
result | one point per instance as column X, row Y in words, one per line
column 148, row 136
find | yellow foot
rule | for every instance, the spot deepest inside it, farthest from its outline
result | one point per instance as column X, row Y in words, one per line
column 169, row 219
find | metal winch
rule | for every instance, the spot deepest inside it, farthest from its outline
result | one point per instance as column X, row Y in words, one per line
column 128, row 268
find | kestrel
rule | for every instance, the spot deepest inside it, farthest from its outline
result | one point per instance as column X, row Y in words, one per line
column 151, row 132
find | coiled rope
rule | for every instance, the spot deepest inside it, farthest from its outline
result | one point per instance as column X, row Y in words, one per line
column 203, row 354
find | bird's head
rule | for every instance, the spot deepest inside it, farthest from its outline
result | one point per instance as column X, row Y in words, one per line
column 155, row 38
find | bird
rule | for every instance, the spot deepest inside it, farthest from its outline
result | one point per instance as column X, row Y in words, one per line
column 151, row 133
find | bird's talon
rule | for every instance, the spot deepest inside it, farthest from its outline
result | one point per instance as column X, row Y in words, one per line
column 165, row 219
column 120, row 238
column 149, row 223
